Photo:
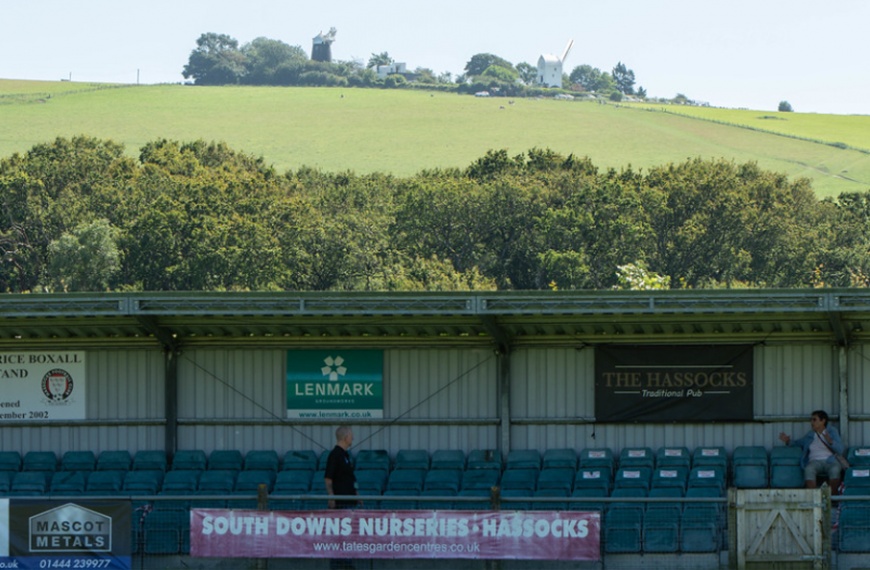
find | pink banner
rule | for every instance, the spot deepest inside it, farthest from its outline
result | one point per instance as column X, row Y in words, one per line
column 489, row 535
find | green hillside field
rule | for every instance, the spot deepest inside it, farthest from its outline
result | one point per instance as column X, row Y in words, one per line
column 405, row 131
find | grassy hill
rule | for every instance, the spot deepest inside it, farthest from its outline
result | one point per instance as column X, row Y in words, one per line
column 403, row 132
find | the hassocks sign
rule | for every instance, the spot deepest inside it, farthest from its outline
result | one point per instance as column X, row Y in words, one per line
column 339, row 384
column 688, row 383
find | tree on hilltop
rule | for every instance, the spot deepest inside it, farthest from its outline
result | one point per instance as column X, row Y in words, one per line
column 263, row 57
column 481, row 61
column 592, row 79
column 215, row 61
column 528, row 73
column 624, row 79
column 785, row 107
column 377, row 59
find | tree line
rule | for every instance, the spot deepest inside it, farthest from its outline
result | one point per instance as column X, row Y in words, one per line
column 218, row 59
column 81, row 215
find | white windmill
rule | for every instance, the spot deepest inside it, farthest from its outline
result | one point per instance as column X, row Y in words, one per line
column 550, row 67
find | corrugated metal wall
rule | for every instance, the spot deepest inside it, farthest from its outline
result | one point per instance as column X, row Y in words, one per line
column 124, row 387
column 859, row 396
column 430, row 396
column 434, row 399
column 790, row 381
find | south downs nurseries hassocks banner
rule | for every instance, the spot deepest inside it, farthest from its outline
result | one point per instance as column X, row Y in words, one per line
column 335, row 384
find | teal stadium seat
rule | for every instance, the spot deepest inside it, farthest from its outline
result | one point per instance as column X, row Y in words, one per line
column 671, row 476
column 262, row 459
column 115, row 460
column 559, row 478
column 708, row 476
column 10, row 461
column 636, row 457
column 673, row 457
column 412, row 459
column 562, row 458
column 39, row 461
column 6, row 482
column 248, row 483
column 181, row 482
column 293, row 482
column 78, row 461
column 216, row 482
column 633, row 477
column 661, row 531
column 594, row 477
column 710, row 457
column 300, row 460
column 523, row 459
column 225, row 460
column 149, row 460
column 597, row 457
column 318, row 487
column 588, row 496
column 448, row 459
column 480, row 479
column 751, row 467
column 143, row 482
column 164, row 529
column 30, row 483
column 105, row 482
column 189, row 460
column 854, row 528
column 443, row 480
column 525, row 480
column 857, row 456
column 373, row 459
column 69, row 482
column 411, row 480
column 484, row 459
column 623, row 524
column 857, row 478
column 374, row 480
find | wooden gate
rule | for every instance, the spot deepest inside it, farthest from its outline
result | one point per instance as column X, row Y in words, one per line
column 779, row 528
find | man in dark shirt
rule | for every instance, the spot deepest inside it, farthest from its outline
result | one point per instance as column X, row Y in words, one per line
column 340, row 480
column 339, row 477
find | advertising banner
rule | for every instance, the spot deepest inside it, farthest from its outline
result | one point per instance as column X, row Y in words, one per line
column 42, row 386
column 687, row 383
column 53, row 534
column 338, row 384
column 487, row 535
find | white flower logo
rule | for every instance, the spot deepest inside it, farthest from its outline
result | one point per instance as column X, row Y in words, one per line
column 333, row 368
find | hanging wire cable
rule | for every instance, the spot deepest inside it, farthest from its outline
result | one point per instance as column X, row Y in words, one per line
column 285, row 422
column 427, row 398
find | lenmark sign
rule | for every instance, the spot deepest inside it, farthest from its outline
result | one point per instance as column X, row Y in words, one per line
column 339, row 384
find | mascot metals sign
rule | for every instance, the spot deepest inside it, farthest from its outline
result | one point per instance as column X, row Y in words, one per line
column 335, row 384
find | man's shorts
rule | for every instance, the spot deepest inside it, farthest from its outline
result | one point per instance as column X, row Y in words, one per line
column 815, row 468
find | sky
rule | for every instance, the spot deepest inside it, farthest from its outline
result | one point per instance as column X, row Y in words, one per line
column 728, row 53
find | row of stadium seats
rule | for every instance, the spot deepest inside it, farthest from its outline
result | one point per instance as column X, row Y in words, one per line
column 748, row 467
